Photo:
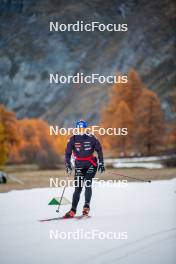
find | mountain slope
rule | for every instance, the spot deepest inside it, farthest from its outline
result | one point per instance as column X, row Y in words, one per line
column 29, row 52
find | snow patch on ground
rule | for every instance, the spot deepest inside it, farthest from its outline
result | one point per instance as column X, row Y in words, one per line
column 137, row 165
column 142, row 159
column 152, row 162
column 145, row 211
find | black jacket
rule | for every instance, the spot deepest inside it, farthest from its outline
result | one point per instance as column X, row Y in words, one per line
column 83, row 146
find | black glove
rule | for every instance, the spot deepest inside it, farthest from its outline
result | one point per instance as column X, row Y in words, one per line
column 68, row 168
column 101, row 167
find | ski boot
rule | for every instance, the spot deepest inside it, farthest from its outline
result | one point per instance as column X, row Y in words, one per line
column 70, row 214
column 86, row 210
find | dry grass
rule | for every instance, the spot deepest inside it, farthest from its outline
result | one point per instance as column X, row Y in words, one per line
column 30, row 177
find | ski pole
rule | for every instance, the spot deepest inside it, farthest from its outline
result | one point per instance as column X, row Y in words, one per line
column 62, row 195
column 142, row 180
column 61, row 199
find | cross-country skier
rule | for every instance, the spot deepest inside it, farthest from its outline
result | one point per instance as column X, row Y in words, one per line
column 82, row 146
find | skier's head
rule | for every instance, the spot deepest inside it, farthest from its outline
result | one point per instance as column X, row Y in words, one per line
column 81, row 124
column 81, row 127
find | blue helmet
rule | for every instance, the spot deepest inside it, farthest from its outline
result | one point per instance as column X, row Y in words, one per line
column 81, row 124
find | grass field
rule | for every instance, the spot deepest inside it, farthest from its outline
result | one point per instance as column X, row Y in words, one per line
column 28, row 176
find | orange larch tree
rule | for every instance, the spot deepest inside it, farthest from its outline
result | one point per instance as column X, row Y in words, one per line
column 172, row 132
column 122, row 118
column 149, row 123
column 36, row 145
column 8, row 133
column 123, row 97
column 137, row 108
column 135, row 87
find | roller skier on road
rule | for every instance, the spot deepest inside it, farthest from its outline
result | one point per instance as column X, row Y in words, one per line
column 82, row 146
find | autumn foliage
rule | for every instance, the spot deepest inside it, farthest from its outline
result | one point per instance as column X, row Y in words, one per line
column 36, row 145
column 27, row 141
column 8, row 133
column 171, row 137
column 149, row 123
column 138, row 109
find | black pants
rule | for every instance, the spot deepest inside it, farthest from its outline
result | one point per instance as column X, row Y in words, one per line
column 83, row 176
